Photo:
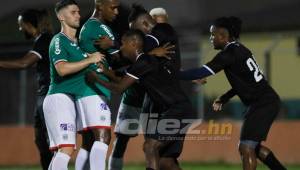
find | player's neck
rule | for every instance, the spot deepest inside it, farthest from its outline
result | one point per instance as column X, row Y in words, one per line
column 97, row 15
column 69, row 32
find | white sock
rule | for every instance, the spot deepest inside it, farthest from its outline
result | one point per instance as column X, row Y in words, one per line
column 50, row 165
column 60, row 161
column 98, row 156
column 81, row 159
column 115, row 163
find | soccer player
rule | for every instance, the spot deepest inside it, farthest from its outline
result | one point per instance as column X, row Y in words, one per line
column 35, row 25
column 163, row 87
column 249, row 84
column 133, row 98
column 67, row 69
column 95, row 36
column 159, row 14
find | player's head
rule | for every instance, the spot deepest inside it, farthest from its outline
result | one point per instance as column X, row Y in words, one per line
column 140, row 19
column 33, row 22
column 132, row 43
column 159, row 15
column 108, row 9
column 225, row 30
column 67, row 12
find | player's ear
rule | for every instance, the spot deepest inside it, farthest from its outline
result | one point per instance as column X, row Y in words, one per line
column 60, row 16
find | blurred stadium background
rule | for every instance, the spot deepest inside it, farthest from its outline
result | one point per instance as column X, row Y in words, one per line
column 270, row 30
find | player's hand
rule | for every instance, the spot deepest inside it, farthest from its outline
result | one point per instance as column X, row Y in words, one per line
column 96, row 57
column 163, row 51
column 104, row 42
column 102, row 67
column 91, row 77
column 200, row 81
column 217, row 105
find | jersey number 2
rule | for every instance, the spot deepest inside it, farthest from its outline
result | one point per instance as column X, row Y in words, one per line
column 253, row 66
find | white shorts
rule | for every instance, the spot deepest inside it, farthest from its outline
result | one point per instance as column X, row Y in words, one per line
column 60, row 118
column 92, row 112
column 128, row 120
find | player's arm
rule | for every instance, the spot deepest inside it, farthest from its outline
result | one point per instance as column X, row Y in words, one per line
column 218, row 63
column 65, row 68
column 195, row 73
column 163, row 51
column 220, row 101
column 119, row 87
column 26, row 61
column 109, row 73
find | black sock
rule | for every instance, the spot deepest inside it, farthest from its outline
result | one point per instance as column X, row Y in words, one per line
column 272, row 162
column 149, row 169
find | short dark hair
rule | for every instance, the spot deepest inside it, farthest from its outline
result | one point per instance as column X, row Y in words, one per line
column 232, row 24
column 136, row 11
column 135, row 33
column 39, row 19
column 63, row 3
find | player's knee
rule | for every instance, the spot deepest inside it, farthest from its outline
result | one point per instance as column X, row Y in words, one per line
column 246, row 149
column 102, row 135
column 151, row 146
column 87, row 140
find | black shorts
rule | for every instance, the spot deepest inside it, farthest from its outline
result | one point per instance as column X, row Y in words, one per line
column 259, row 118
column 174, row 138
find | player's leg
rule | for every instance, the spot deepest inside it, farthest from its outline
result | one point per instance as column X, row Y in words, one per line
column 96, row 116
column 41, row 136
column 258, row 121
column 247, row 152
column 116, row 157
column 82, row 158
column 60, row 117
column 168, row 163
column 151, row 149
column 126, row 127
column 265, row 155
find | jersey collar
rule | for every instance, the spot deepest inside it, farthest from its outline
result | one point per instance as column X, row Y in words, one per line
column 228, row 44
column 139, row 56
column 68, row 37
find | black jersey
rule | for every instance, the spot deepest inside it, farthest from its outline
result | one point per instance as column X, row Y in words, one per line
column 242, row 72
column 164, row 33
column 160, row 83
column 41, row 48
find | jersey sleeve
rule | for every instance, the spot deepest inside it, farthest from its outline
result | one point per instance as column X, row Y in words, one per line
column 106, row 31
column 39, row 47
column 219, row 62
column 151, row 42
column 57, row 51
column 140, row 68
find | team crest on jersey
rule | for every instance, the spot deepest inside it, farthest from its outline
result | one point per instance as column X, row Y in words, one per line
column 67, row 127
column 57, row 48
column 104, row 106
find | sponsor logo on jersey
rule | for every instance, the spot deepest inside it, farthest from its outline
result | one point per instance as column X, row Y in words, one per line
column 56, row 45
column 65, row 136
column 106, row 29
column 67, row 127
column 104, row 106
